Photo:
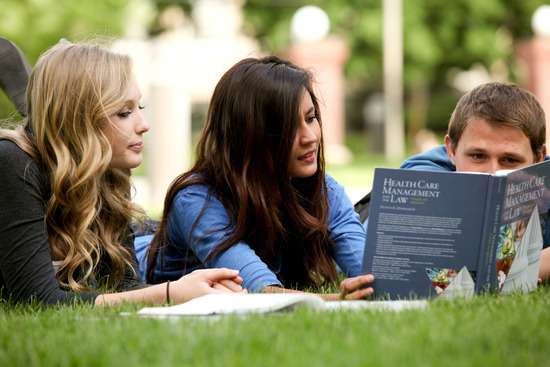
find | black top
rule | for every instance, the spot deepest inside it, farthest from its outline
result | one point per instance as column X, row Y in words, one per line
column 26, row 268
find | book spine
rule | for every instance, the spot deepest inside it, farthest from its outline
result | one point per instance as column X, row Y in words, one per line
column 486, row 267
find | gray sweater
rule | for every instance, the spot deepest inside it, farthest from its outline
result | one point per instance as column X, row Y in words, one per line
column 26, row 269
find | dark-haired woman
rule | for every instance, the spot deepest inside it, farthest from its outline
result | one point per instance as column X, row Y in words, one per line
column 257, row 199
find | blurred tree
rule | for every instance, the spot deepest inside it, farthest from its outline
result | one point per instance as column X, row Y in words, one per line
column 35, row 25
column 439, row 37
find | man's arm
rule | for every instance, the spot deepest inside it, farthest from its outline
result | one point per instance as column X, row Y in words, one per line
column 544, row 272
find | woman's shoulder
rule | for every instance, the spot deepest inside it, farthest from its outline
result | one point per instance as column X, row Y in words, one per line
column 195, row 200
column 193, row 194
column 333, row 187
column 337, row 197
column 12, row 156
column 9, row 148
column 193, row 189
column 17, row 166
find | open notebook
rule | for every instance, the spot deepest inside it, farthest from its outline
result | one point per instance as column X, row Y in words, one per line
column 221, row 304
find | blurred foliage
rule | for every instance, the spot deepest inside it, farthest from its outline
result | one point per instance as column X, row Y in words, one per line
column 36, row 25
column 438, row 37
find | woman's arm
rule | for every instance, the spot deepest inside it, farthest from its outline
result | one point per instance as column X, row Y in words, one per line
column 349, row 237
column 198, row 223
column 195, row 284
column 350, row 289
column 345, row 230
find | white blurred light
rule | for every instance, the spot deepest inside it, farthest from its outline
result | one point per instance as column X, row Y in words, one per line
column 540, row 22
column 310, row 23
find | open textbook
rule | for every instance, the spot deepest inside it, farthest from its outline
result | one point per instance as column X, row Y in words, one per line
column 221, row 304
column 446, row 233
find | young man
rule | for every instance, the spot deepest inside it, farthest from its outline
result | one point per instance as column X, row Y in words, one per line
column 494, row 127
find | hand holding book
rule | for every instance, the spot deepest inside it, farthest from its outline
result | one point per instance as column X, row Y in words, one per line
column 351, row 289
column 356, row 288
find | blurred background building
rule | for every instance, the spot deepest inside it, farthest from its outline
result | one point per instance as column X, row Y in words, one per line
column 411, row 82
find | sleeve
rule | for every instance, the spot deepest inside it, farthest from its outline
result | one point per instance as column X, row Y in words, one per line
column 199, row 220
column 141, row 247
column 25, row 260
column 345, row 230
column 132, row 277
column 432, row 160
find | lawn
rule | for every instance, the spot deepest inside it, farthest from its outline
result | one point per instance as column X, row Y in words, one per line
column 486, row 331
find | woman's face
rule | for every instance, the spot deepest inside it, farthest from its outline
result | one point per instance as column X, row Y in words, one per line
column 125, row 131
column 303, row 156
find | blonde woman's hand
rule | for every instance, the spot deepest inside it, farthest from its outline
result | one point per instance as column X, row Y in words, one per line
column 205, row 281
column 356, row 287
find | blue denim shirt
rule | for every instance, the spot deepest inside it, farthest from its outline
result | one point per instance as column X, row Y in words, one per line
column 192, row 243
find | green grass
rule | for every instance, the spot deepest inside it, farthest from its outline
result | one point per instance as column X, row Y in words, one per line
column 487, row 331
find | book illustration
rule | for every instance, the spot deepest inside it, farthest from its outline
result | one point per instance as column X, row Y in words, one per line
column 506, row 251
column 440, row 278
column 524, row 270
column 449, row 283
column 461, row 285
column 240, row 304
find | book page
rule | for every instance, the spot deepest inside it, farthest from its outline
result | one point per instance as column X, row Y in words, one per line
column 524, row 271
column 226, row 304
column 219, row 304
column 462, row 285
column 525, row 208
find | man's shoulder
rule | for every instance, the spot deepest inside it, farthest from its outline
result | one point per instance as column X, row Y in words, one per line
column 435, row 159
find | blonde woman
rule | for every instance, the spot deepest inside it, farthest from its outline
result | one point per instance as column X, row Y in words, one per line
column 65, row 191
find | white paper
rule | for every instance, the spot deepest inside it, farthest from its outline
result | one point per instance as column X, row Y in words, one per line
column 221, row 304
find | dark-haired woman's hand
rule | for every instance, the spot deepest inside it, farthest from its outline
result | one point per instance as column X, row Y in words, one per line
column 357, row 287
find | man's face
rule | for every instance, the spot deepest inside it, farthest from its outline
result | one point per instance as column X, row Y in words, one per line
column 486, row 147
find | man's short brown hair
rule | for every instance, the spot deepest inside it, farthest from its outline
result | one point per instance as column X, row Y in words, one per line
column 500, row 104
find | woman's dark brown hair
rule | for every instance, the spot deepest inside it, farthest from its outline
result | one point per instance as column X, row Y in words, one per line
column 243, row 157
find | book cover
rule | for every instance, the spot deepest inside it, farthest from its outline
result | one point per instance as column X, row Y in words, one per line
column 447, row 233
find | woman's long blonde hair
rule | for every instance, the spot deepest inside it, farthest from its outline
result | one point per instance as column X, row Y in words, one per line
column 72, row 91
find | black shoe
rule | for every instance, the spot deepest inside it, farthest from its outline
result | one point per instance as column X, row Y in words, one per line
column 14, row 74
